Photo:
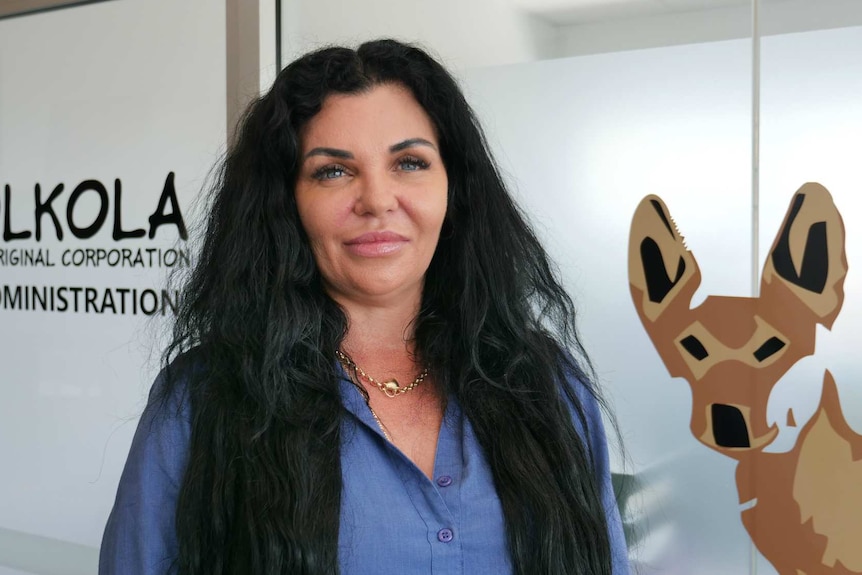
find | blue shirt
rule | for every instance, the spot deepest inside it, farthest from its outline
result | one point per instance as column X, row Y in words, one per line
column 394, row 519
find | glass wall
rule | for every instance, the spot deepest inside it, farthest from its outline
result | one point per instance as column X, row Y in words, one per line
column 583, row 140
column 811, row 131
column 111, row 114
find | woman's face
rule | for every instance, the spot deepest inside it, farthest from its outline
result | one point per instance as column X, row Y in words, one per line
column 371, row 194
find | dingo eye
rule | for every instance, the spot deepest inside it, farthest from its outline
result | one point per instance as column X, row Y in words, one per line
column 693, row 346
column 769, row 347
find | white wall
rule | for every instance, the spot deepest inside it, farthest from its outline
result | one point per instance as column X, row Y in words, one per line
column 463, row 34
column 131, row 90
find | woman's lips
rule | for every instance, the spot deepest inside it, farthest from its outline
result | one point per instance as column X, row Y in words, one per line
column 374, row 244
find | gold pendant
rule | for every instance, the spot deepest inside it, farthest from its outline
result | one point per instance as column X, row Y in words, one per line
column 391, row 388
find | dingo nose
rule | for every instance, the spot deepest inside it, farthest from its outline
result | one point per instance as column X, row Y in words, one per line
column 729, row 427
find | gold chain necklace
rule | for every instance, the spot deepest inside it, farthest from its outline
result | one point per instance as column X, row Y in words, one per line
column 391, row 387
column 380, row 424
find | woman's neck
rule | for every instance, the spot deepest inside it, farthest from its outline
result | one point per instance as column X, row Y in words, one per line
column 380, row 338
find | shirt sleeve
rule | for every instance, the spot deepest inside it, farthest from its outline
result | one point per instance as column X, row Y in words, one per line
column 598, row 446
column 140, row 536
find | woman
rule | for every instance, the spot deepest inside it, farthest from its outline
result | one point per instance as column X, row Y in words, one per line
column 371, row 370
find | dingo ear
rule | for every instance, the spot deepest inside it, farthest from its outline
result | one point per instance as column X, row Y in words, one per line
column 808, row 256
column 662, row 272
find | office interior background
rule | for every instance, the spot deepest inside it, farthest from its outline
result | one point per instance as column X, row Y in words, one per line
column 112, row 114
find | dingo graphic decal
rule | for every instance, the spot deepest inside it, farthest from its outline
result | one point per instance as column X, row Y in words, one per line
column 803, row 507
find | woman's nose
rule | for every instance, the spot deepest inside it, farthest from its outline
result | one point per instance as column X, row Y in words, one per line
column 377, row 195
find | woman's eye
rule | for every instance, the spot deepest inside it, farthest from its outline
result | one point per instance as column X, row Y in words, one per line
column 331, row 172
column 412, row 164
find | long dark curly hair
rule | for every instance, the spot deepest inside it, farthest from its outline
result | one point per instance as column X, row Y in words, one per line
column 254, row 340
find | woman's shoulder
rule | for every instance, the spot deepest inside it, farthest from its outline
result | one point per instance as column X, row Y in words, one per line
column 586, row 405
column 139, row 536
column 160, row 445
column 169, row 400
column 580, row 390
column 588, row 417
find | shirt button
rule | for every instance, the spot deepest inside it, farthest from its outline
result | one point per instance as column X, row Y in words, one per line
column 444, row 481
column 445, row 535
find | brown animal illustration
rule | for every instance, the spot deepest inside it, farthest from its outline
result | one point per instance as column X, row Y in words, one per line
column 804, row 507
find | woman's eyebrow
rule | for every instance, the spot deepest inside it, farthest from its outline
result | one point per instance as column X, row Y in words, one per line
column 345, row 155
column 411, row 143
column 332, row 152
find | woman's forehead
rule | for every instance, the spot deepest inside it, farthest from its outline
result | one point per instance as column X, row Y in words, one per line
column 381, row 116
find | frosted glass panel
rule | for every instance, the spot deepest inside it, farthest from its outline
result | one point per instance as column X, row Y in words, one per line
column 109, row 99
column 583, row 140
column 812, row 131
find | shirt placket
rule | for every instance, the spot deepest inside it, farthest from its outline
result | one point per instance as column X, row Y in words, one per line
column 437, row 501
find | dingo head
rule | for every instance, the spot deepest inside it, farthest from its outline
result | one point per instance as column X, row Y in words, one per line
column 733, row 350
